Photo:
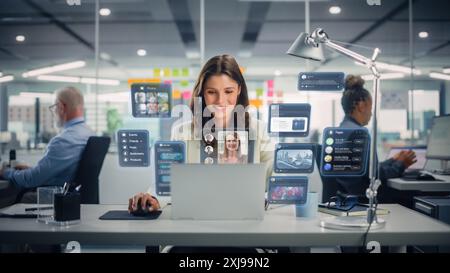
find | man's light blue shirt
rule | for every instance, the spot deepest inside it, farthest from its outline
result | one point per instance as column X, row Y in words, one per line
column 60, row 161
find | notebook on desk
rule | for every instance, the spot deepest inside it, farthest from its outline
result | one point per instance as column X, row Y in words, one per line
column 19, row 210
column 357, row 210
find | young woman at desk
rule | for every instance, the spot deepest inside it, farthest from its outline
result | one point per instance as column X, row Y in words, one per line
column 232, row 152
column 220, row 91
column 357, row 104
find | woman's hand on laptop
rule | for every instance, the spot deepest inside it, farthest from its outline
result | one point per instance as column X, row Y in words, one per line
column 143, row 199
column 406, row 157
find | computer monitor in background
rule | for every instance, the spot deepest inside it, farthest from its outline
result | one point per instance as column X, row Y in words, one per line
column 439, row 140
column 439, row 143
column 420, row 152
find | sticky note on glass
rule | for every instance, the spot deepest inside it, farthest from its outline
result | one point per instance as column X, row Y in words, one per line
column 259, row 92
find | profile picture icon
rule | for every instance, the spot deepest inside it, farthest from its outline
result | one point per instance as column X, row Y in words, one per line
column 139, row 97
column 209, row 150
column 328, row 149
column 142, row 108
column 328, row 158
column 209, row 160
column 327, row 167
column 329, row 141
column 209, row 138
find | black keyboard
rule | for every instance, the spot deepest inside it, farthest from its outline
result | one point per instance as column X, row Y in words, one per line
column 418, row 176
column 412, row 175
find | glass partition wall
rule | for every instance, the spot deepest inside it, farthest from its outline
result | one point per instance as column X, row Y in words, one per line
column 125, row 42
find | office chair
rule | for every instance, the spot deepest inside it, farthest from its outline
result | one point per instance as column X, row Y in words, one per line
column 89, row 169
column 329, row 185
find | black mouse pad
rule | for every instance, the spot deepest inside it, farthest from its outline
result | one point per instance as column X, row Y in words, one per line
column 125, row 215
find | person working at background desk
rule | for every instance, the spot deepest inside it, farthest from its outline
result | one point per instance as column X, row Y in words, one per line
column 220, row 88
column 357, row 104
column 60, row 161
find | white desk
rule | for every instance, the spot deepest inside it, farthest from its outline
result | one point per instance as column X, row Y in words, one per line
column 279, row 228
column 426, row 186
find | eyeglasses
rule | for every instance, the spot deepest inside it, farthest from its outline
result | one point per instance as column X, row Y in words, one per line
column 52, row 107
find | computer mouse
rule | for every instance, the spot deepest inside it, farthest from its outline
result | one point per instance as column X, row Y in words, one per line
column 141, row 211
column 425, row 177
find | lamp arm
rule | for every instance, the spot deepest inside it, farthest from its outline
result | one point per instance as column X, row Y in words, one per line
column 353, row 55
column 320, row 36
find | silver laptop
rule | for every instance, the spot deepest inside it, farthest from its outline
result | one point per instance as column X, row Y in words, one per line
column 420, row 152
column 218, row 192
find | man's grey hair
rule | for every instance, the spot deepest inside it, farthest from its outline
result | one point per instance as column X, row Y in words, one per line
column 71, row 96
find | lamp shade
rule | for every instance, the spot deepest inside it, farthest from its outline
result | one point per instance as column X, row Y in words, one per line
column 304, row 49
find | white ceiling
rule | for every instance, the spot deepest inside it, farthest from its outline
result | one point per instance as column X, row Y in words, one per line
column 150, row 24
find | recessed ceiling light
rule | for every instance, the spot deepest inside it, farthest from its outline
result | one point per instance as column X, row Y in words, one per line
column 20, row 38
column 277, row 73
column 7, row 78
column 142, row 52
column 439, row 76
column 423, row 34
column 335, row 10
column 54, row 68
column 104, row 12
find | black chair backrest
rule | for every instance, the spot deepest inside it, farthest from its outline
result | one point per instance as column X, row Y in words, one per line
column 89, row 169
column 329, row 185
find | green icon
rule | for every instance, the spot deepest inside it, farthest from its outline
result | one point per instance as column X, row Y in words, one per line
column 329, row 141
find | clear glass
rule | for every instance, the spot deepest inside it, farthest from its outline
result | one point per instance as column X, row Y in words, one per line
column 45, row 201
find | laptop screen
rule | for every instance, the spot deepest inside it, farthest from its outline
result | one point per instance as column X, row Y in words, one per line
column 420, row 156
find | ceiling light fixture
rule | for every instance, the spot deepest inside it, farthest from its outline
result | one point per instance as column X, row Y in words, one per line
column 439, row 76
column 384, row 76
column 37, row 95
column 423, row 34
column 54, row 68
column 6, row 78
column 104, row 12
column 335, row 10
column 100, row 81
column 55, row 78
column 20, row 38
column 141, row 52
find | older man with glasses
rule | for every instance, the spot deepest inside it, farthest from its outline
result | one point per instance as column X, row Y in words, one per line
column 63, row 153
